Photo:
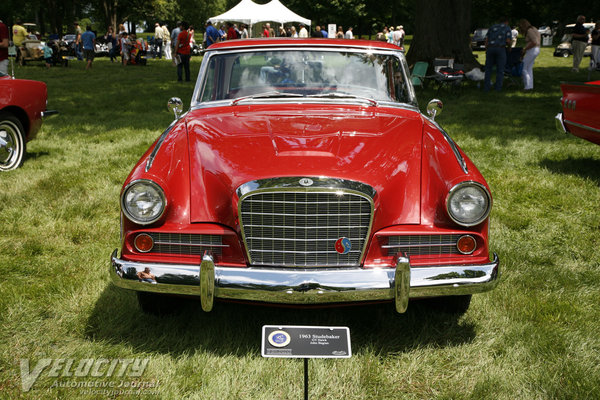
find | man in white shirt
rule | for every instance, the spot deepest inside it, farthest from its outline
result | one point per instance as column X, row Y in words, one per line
column 349, row 34
column 167, row 42
column 158, row 40
column 303, row 32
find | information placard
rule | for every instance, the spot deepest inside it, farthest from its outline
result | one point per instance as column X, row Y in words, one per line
column 306, row 341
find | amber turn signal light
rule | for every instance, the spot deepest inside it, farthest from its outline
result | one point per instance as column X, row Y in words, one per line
column 143, row 242
column 466, row 244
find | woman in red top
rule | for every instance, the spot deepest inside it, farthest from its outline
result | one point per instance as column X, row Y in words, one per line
column 183, row 52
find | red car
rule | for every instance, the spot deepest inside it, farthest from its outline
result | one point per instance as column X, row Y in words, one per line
column 22, row 107
column 581, row 110
column 304, row 174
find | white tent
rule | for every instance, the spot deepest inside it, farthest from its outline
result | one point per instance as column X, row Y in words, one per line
column 249, row 13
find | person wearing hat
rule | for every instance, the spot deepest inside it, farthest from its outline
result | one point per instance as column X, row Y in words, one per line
column 212, row 35
column 398, row 36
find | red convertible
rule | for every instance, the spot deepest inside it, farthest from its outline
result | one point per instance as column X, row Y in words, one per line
column 22, row 107
column 304, row 174
column 581, row 110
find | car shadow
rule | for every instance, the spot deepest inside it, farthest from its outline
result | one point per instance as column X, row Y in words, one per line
column 584, row 167
column 236, row 328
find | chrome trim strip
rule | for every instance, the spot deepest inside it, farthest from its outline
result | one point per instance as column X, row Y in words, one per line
column 191, row 244
column 161, row 139
column 586, row 127
column 306, row 286
column 403, row 246
column 453, row 146
column 294, row 182
column 49, row 113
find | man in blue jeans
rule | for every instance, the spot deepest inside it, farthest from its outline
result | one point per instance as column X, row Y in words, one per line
column 497, row 39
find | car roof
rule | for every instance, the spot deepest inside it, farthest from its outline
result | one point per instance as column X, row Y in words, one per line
column 287, row 42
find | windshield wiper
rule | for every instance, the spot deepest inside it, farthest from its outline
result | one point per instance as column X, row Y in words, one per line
column 265, row 95
column 338, row 95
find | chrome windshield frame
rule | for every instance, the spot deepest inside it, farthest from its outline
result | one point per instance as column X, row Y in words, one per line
column 197, row 104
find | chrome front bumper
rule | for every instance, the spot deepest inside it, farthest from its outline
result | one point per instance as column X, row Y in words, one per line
column 307, row 286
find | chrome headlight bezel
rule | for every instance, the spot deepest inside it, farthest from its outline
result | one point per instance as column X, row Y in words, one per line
column 482, row 215
column 136, row 218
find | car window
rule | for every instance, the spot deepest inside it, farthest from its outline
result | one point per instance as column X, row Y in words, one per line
column 380, row 77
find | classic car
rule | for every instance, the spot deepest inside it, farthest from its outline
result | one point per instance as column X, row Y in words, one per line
column 22, row 107
column 304, row 174
column 564, row 49
column 478, row 39
column 581, row 110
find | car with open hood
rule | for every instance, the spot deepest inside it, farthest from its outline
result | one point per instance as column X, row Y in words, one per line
column 304, row 174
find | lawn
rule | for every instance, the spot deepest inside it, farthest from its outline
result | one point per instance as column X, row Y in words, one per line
column 536, row 336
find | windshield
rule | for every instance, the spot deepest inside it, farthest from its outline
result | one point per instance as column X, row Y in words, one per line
column 314, row 74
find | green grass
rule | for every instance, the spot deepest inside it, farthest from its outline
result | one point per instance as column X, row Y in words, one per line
column 534, row 337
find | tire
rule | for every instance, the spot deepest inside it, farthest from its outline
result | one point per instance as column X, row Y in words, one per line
column 158, row 304
column 12, row 142
column 564, row 54
column 450, row 304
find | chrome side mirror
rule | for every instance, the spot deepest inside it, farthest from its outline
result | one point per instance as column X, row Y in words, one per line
column 175, row 105
column 434, row 108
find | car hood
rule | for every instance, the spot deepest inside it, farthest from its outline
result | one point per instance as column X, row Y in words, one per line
column 230, row 146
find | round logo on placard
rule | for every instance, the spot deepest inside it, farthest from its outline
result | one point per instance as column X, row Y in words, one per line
column 343, row 245
column 306, row 182
column 279, row 338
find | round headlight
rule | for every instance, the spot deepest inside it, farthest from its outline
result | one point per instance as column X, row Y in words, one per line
column 468, row 203
column 143, row 202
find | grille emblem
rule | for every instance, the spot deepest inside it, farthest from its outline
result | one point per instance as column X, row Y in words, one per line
column 343, row 245
column 306, row 182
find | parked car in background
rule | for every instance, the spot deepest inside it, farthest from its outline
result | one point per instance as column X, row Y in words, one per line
column 305, row 174
column 581, row 110
column 22, row 107
column 478, row 39
column 564, row 49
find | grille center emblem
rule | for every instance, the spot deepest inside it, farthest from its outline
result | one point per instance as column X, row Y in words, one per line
column 343, row 245
column 306, row 182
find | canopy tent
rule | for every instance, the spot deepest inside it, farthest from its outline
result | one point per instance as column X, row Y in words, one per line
column 249, row 13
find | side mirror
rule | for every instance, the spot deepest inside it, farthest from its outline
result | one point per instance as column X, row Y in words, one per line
column 434, row 108
column 175, row 105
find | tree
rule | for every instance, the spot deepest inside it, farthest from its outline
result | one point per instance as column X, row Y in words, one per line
column 442, row 30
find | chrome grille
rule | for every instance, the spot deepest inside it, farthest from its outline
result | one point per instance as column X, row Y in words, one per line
column 420, row 245
column 186, row 243
column 300, row 228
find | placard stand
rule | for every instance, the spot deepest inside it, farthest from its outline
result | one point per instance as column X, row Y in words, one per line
column 305, row 342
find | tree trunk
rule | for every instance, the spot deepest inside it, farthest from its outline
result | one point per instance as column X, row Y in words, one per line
column 442, row 30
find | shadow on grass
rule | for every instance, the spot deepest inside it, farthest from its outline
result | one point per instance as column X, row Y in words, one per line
column 236, row 328
column 584, row 167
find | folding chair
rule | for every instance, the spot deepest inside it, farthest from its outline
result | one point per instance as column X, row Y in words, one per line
column 514, row 66
column 446, row 74
column 419, row 72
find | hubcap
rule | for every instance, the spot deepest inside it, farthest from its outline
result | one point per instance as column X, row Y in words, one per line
column 9, row 145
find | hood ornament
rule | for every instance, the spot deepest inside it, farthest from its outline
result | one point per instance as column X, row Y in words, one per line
column 306, row 182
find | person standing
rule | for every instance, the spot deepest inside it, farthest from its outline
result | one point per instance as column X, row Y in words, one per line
column 303, row 32
column 167, row 42
column 111, row 41
column 244, row 32
column 211, row 34
column 3, row 48
column 174, row 34
column 340, row 33
column 349, row 34
column 579, row 42
column 182, row 44
column 125, row 47
column 19, row 34
column 159, row 36
column 48, row 55
column 531, row 50
column 88, row 41
column 497, row 39
column 78, row 41
column 596, row 47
